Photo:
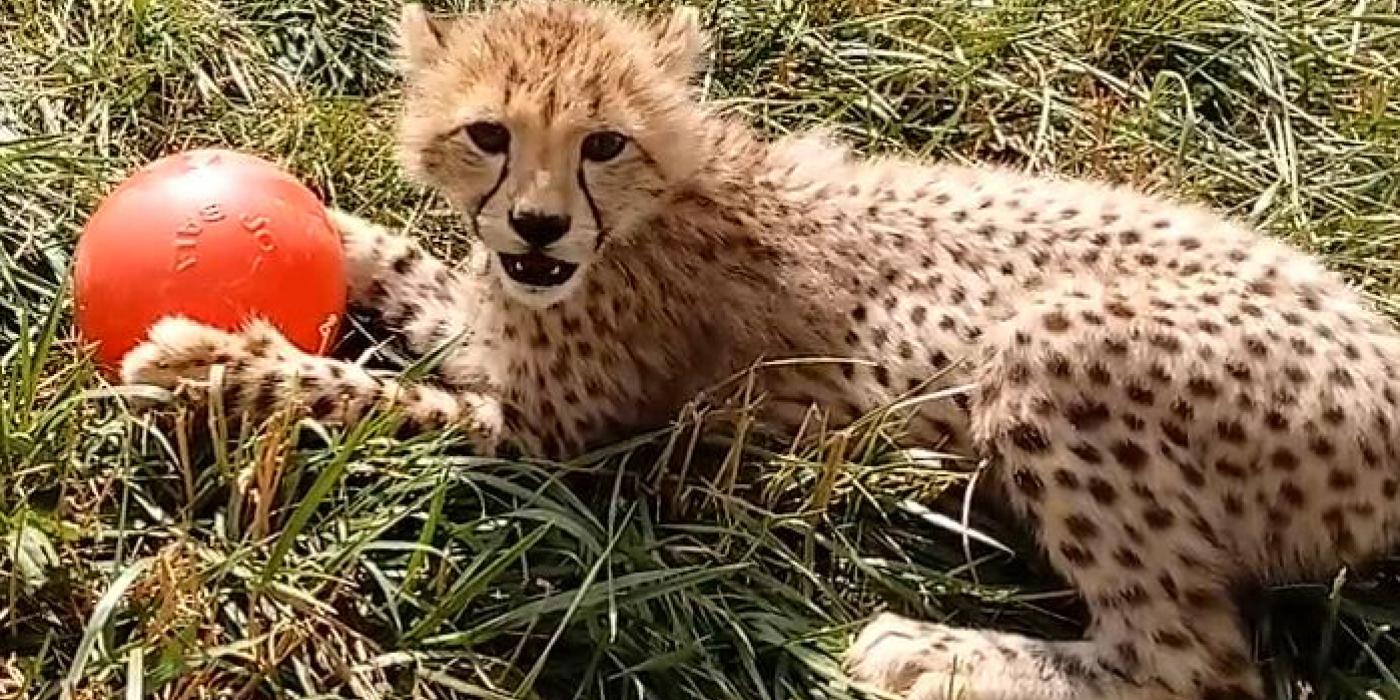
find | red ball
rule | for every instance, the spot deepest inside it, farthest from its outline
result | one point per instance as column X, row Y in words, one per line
column 216, row 236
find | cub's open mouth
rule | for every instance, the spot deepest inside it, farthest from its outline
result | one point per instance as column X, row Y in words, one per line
column 535, row 269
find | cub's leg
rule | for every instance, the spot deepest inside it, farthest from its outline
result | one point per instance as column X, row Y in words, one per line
column 1102, row 415
column 263, row 371
column 410, row 291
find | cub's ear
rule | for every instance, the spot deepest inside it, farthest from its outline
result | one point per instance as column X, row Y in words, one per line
column 681, row 42
column 420, row 38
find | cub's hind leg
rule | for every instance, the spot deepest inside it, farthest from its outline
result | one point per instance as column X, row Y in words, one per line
column 1101, row 448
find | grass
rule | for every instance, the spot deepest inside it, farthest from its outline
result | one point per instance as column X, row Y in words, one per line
column 138, row 556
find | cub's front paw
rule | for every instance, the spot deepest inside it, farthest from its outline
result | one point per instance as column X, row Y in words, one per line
column 893, row 653
column 179, row 351
column 927, row 661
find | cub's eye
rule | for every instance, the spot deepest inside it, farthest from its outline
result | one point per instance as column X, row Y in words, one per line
column 490, row 137
column 603, row 146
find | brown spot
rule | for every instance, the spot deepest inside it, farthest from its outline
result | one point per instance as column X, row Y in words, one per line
column 880, row 337
column 1140, row 394
column 1018, row 373
column 1231, row 663
column 1130, row 455
column 1092, row 318
column 1169, row 586
column 1081, row 527
column 1066, row 479
column 1102, row 491
column 1077, row 555
column 1321, row 446
column 1202, row 388
column 1086, row 452
column 1275, row 421
column 1229, row 469
column 1086, row 414
column 918, row 315
column 1056, row 322
column 1284, row 459
column 1208, row 326
column 858, row 313
column 1029, row 484
column 1192, row 475
column 1127, row 558
column 1238, row 371
column 1291, row 494
column 1058, row 365
column 1234, row 505
column 1340, row 377
column 1158, row 518
column 1165, row 342
column 1098, row 374
column 1173, row 640
column 1344, row 540
column 882, row 375
column 1134, row 596
column 1176, row 434
column 1341, row 480
column 1028, row 438
column 1159, row 374
column 1119, row 309
column 1128, row 658
column 1230, row 431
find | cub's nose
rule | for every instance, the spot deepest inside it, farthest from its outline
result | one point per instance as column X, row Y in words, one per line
column 539, row 230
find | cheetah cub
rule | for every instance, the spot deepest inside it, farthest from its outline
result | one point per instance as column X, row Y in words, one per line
column 1177, row 405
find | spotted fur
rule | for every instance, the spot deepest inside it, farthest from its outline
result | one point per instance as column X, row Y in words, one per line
column 1177, row 405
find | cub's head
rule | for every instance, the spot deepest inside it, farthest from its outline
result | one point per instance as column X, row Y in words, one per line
column 557, row 128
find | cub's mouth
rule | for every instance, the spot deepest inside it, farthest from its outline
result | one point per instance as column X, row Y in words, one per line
column 535, row 269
